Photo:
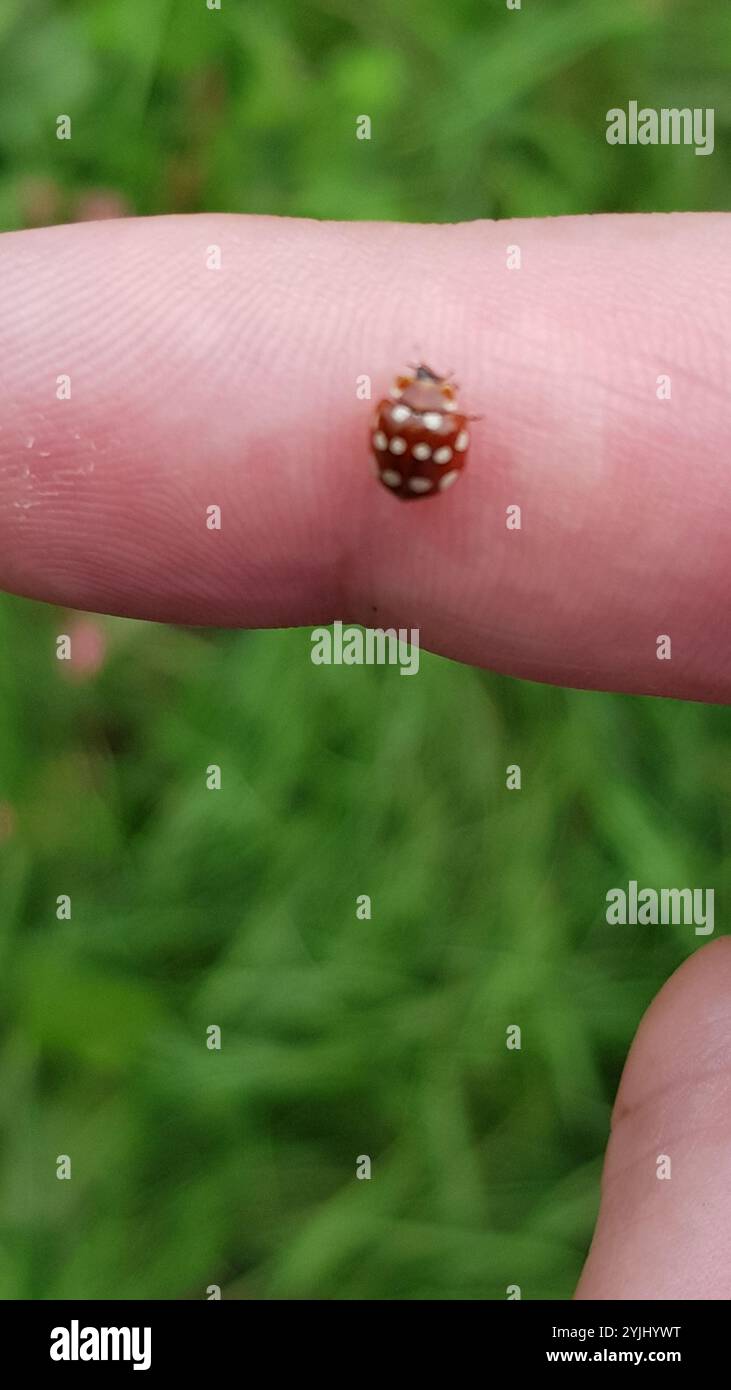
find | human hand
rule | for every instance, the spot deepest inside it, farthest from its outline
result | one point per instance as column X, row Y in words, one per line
column 192, row 387
column 663, row 1230
column 236, row 387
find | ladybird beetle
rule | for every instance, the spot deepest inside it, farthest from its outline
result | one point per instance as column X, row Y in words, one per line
column 418, row 437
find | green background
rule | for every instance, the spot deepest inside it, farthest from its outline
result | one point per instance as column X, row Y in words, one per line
column 341, row 1037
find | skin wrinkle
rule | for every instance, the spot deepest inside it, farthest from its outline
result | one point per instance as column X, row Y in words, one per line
column 665, row 1138
column 689, row 1081
column 238, row 387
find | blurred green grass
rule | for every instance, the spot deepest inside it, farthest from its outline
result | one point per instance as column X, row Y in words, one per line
column 238, row 907
column 477, row 111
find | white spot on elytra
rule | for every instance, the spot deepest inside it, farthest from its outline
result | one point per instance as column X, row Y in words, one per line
column 399, row 414
column 397, row 445
column 450, row 405
column 391, row 478
column 432, row 420
column 421, row 451
column 461, row 441
column 419, row 484
column 379, row 440
column 442, row 455
column 448, row 478
column 30, row 441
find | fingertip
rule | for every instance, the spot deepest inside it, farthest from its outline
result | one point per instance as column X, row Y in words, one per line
column 663, row 1226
